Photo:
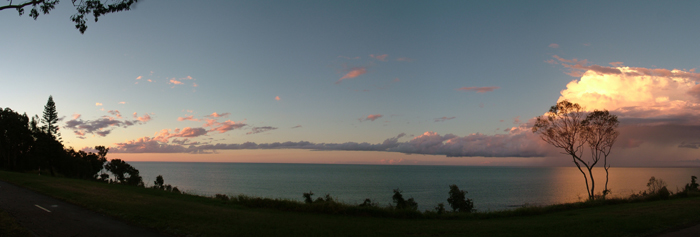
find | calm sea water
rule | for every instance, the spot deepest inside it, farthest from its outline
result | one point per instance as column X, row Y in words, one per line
column 491, row 188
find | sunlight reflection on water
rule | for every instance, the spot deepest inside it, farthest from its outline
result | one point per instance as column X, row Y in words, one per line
column 491, row 188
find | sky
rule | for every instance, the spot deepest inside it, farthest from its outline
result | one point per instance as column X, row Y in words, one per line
column 360, row 82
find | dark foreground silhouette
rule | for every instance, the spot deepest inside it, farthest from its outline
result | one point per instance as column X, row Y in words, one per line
column 46, row 216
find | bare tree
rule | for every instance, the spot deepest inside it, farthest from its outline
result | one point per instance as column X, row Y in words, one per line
column 600, row 135
column 563, row 127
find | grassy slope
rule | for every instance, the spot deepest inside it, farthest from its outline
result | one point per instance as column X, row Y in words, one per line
column 185, row 214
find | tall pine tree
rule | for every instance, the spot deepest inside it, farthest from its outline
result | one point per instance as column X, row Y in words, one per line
column 50, row 119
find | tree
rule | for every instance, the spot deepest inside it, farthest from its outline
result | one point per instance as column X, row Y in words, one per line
column 159, row 183
column 83, row 7
column 124, row 173
column 16, row 140
column 402, row 203
column 48, row 137
column 458, row 200
column 600, row 134
column 567, row 126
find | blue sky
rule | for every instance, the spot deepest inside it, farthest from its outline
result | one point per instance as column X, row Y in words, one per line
column 403, row 60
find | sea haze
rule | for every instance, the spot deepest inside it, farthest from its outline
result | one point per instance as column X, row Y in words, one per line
column 491, row 188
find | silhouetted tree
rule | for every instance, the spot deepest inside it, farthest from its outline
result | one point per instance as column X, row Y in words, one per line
column 401, row 203
column 692, row 186
column 124, row 173
column 600, row 133
column 48, row 138
column 84, row 7
column 16, row 140
column 458, row 200
column 568, row 127
column 158, row 184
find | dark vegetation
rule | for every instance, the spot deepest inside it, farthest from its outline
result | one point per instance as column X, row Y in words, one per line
column 83, row 7
column 35, row 145
column 185, row 214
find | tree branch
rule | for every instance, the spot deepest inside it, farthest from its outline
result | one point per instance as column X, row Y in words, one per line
column 33, row 2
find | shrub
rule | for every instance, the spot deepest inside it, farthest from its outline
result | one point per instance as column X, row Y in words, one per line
column 692, row 186
column 458, row 200
column 654, row 185
column 400, row 203
column 440, row 208
column 368, row 203
column 221, row 197
column 158, row 184
column 307, row 197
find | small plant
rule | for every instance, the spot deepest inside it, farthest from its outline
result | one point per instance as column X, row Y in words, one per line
column 458, row 200
column 401, row 203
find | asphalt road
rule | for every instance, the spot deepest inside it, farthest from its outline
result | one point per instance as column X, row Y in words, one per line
column 46, row 216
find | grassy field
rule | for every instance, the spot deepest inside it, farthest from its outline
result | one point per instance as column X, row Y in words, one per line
column 185, row 214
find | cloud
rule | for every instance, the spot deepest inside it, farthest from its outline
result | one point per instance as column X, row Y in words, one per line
column 139, row 78
column 656, row 107
column 516, row 120
column 175, row 82
column 554, row 46
column 123, row 102
column 101, row 126
column 194, row 84
column 277, row 98
column 404, row 59
column 144, row 119
column 98, row 104
column 216, row 115
column 379, row 57
column 443, row 119
column 298, row 126
column 479, row 89
column 260, row 129
column 354, row 72
column 224, row 127
column 372, row 117
column 519, row 143
column 191, row 118
column 115, row 113
column 616, row 64
column 396, row 80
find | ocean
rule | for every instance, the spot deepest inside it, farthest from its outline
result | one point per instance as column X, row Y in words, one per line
column 490, row 188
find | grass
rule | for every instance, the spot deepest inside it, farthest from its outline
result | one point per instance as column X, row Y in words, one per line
column 10, row 227
column 195, row 215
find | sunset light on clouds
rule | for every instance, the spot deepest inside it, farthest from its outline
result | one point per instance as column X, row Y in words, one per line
column 446, row 83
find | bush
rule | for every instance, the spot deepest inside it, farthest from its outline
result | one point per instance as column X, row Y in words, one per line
column 400, row 203
column 440, row 208
column 458, row 200
column 307, row 197
column 368, row 203
column 221, row 197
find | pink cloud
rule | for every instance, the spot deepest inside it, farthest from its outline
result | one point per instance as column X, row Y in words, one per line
column 354, row 72
column 139, row 78
column 554, row 46
column 123, row 102
column 175, row 82
column 191, row 118
column 277, row 98
column 396, row 80
column 76, row 116
column 551, row 61
column 373, row 117
column 194, row 84
column 217, row 115
column 98, row 104
column 616, row 64
column 144, row 119
column 115, row 113
column 225, row 126
column 379, row 57
column 479, row 89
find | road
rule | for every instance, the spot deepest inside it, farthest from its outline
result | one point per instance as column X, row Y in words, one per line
column 46, row 216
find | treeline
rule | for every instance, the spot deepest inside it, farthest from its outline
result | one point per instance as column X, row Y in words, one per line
column 35, row 144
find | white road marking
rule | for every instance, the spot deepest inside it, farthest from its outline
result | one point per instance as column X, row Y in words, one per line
column 42, row 208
